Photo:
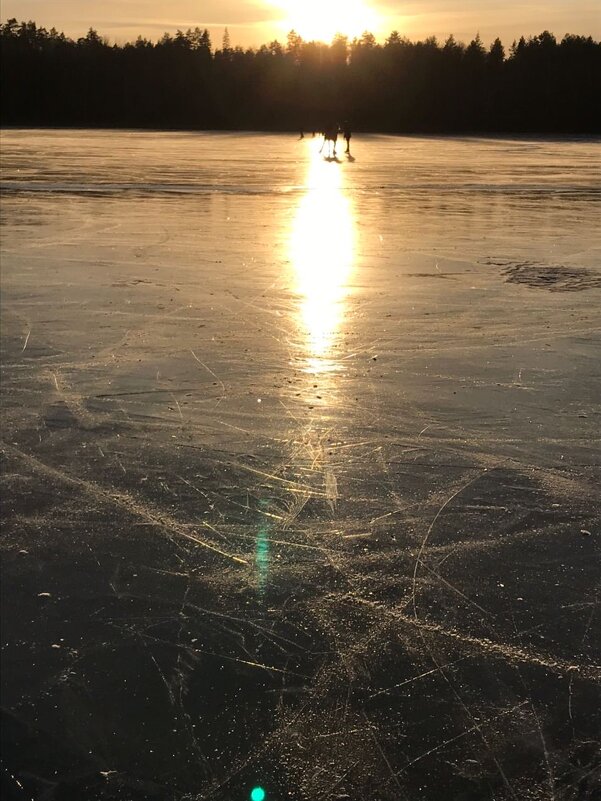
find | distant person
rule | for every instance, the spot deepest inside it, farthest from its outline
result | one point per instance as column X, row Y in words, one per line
column 346, row 132
column 330, row 136
column 302, row 135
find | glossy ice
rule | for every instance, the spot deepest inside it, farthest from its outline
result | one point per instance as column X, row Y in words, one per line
column 301, row 467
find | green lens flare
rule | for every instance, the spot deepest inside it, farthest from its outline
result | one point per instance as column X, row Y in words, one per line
column 257, row 794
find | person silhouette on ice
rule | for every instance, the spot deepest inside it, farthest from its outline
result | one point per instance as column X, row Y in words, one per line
column 346, row 132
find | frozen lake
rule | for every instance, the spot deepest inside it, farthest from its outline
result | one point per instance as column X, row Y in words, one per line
column 301, row 467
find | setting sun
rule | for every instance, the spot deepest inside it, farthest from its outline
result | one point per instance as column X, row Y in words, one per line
column 314, row 19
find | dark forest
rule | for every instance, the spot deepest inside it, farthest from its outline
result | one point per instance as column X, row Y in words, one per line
column 540, row 85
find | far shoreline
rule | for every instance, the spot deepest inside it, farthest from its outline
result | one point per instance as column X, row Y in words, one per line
column 467, row 134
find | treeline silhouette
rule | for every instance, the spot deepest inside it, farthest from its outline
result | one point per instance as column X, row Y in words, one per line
column 182, row 81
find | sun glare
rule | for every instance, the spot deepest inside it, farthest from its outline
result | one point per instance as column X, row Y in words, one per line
column 319, row 20
column 321, row 252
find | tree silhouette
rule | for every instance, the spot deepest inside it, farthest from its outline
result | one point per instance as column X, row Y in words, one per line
column 541, row 85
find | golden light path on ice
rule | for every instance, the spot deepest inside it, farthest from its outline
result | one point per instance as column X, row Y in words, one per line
column 321, row 252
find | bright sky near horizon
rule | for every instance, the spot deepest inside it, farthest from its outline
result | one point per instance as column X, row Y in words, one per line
column 254, row 22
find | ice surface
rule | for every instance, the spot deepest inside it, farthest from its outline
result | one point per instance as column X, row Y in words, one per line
column 301, row 468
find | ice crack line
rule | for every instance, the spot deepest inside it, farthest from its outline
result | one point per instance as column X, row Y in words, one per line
column 509, row 652
column 121, row 499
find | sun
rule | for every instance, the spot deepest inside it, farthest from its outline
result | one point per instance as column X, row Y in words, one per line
column 321, row 19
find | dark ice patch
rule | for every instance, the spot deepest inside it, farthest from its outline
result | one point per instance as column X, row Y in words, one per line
column 59, row 415
column 552, row 277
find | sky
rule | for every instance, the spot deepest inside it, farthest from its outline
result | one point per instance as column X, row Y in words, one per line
column 254, row 22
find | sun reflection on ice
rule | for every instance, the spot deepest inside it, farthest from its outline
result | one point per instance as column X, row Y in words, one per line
column 321, row 252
